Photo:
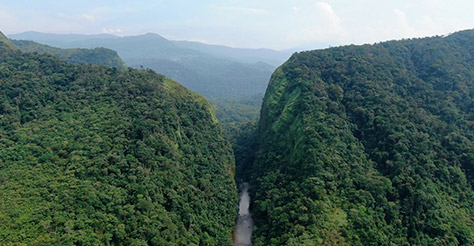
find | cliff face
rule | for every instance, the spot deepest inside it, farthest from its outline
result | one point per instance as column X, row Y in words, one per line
column 92, row 155
column 369, row 145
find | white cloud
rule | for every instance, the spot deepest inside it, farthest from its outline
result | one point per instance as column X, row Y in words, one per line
column 296, row 9
column 200, row 40
column 88, row 17
column 319, row 23
column 111, row 30
column 401, row 20
column 408, row 26
column 325, row 11
column 401, row 16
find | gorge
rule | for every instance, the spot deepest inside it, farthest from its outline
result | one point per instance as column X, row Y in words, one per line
column 355, row 145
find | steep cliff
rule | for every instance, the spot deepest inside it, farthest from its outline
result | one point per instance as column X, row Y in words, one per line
column 369, row 145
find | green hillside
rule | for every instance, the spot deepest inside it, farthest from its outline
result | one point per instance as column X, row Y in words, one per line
column 94, row 155
column 98, row 56
column 369, row 145
column 6, row 43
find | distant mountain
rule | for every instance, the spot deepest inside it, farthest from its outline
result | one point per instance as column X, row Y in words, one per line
column 58, row 38
column 146, row 46
column 98, row 56
column 367, row 145
column 212, row 70
column 272, row 57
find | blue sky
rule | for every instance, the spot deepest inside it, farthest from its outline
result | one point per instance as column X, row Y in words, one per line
column 278, row 24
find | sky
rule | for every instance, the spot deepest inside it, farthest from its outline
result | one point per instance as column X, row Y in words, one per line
column 276, row 24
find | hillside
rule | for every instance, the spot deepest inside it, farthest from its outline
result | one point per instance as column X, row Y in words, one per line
column 211, row 70
column 368, row 145
column 98, row 56
column 6, row 43
column 93, row 155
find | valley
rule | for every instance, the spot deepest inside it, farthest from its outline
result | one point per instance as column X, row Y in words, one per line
column 352, row 145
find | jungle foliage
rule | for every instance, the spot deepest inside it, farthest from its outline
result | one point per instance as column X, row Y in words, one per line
column 95, row 155
column 238, row 118
column 369, row 145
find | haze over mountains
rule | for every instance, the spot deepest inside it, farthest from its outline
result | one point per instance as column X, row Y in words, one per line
column 212, row 70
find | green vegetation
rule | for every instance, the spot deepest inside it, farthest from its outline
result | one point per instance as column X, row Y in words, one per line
column 98, row 56
column 244, row 143
column 238, row 118
column 94, row 155
column 369, row 145
column 237, row 111
column 6, row 43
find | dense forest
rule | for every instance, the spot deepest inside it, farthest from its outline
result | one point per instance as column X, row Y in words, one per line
column 367, row 145
column 95, row 155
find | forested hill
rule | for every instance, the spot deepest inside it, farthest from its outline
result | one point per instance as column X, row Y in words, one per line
column 98, row 56
column 93, row 155
column 369, row 145
column 5, row 43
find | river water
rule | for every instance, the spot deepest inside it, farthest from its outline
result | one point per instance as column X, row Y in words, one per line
column 244, row 226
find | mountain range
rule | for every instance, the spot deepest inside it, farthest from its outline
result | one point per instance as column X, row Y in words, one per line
column 211, row 70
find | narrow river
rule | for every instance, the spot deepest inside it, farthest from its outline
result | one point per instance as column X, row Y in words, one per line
column 244, row 226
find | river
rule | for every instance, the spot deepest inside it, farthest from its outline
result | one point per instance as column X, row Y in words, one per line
column 244, row 226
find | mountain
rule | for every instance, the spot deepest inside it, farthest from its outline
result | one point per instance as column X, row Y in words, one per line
column 98, row 56
column 272, row 57
column 95, row 155
column 368, row 145
column 211, row 70
column 212, row 77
